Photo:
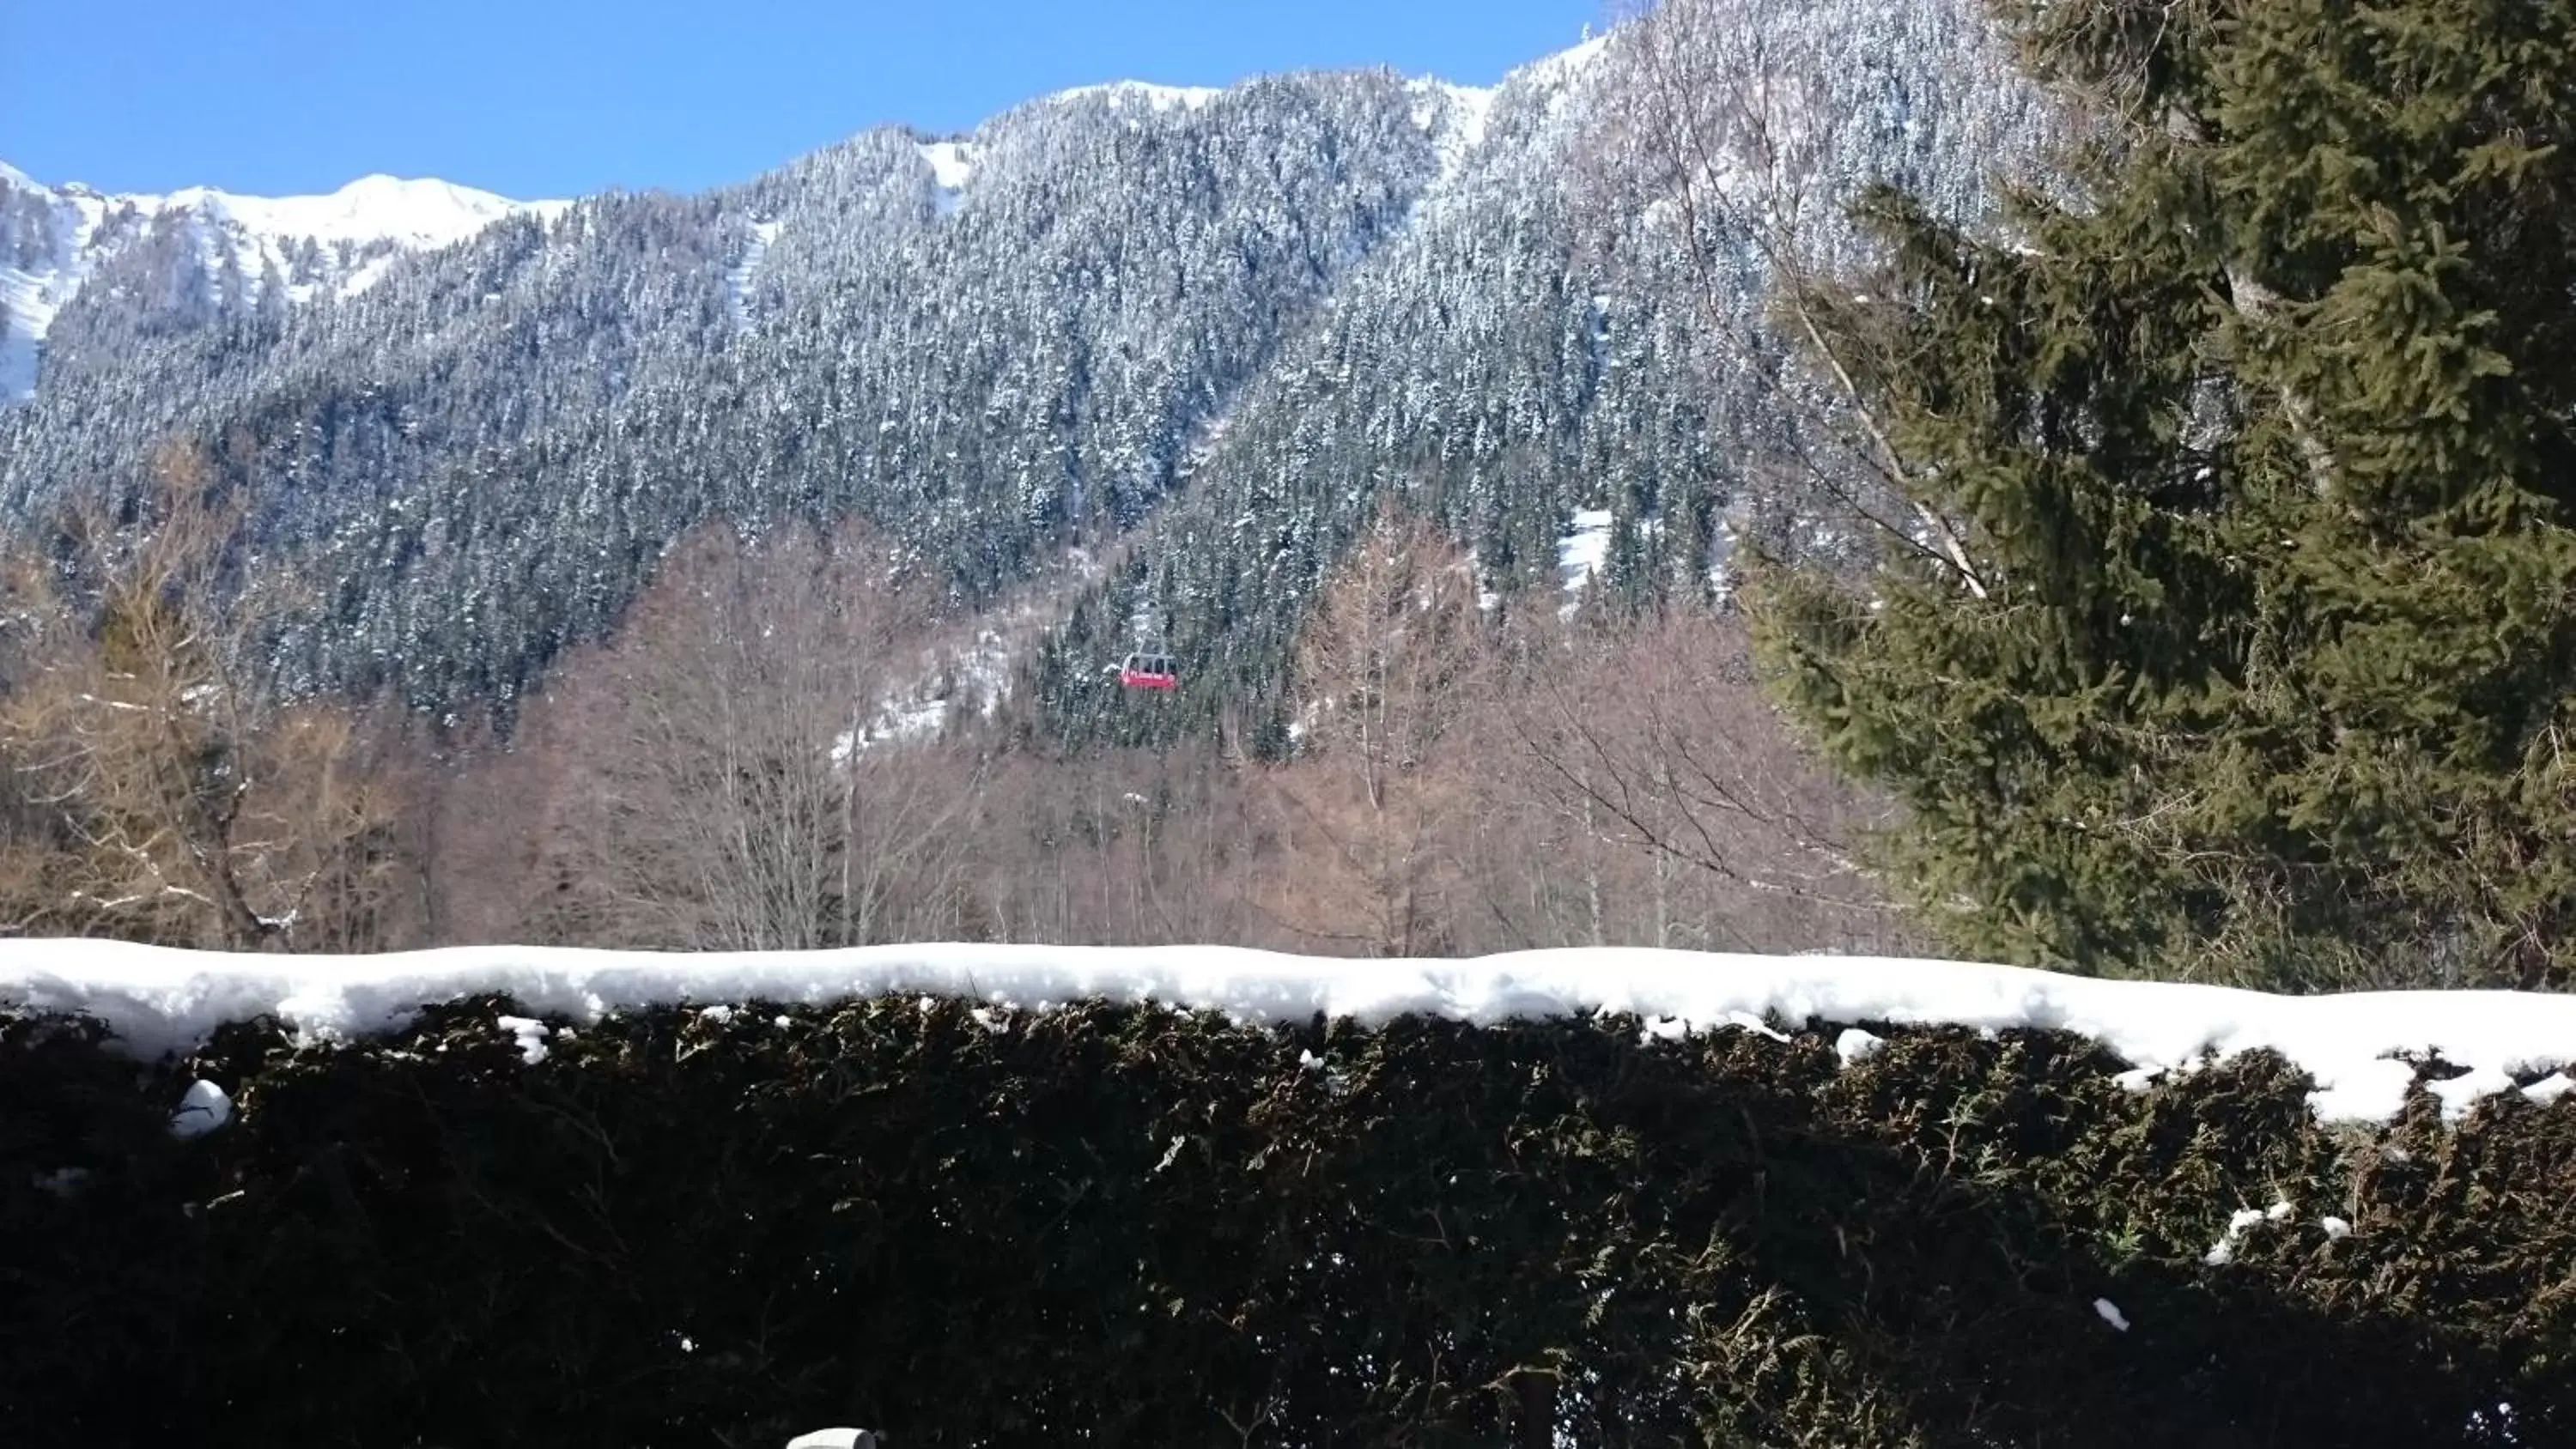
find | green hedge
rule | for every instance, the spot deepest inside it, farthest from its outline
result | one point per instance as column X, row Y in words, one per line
column 1133, row 1227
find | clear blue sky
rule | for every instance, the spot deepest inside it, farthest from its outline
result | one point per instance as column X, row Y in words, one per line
column 559, row 97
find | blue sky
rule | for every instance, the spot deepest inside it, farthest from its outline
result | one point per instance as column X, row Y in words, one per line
column 559, row 97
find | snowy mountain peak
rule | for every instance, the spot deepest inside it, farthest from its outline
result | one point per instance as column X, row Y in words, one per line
column 53, row 237
column 409, row 212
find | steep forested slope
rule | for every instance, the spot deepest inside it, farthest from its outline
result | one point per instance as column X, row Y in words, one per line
column 1234, row 320
column 1547, row 335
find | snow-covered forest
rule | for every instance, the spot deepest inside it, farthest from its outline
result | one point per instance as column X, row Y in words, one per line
column 541, row 524
column 1231, row 327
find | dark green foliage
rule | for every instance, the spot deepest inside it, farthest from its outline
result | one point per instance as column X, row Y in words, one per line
column 2261, row 457
column 1123, row 1226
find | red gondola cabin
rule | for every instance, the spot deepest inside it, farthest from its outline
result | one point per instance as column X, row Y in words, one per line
column 1148, row 671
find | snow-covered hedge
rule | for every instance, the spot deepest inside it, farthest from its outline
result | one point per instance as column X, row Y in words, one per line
column 984, row 1196
column 2363, row 1050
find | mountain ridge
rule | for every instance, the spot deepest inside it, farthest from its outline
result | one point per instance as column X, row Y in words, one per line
column 54, row 238
column 377, row 210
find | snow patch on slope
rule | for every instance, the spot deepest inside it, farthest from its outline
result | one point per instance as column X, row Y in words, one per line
column 412, row 213
column 1583, row 552
column 45, row 254
column 1580, row 552
column 159, row 1000
column 738, row 281
column 977, row 677
column 1454, row 117
column 26, row 311
column 952, row 165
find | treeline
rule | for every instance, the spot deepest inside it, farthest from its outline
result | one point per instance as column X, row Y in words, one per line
column 783, row 747
column 779, row 752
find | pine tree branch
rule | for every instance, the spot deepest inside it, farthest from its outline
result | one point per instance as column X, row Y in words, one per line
column 2257, row 304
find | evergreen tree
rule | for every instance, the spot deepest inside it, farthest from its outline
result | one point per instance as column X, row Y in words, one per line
column 2239, row 638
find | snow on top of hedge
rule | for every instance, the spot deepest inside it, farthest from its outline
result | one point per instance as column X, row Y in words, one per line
column 160, row 1000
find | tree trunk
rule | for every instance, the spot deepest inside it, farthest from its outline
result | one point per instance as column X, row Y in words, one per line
column 1536, row 1428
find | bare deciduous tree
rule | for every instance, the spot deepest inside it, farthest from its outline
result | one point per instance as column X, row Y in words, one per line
column 160, row 790
column 1734, row 133
column 1677, row 786
column 1386, row 667
column 733, row 772
column 1123, row 847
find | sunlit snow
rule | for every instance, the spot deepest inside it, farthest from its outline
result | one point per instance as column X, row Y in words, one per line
column 952, row 163
column 2352, row 1045
column 2223, row 1252
column 745, row 271
column 418, row 213
column 978, row 676
column 1454, row 117
column 203, row 1108
column 529, row 1034
column 1856, row 1045
column 383, row 214
column 1581, row 552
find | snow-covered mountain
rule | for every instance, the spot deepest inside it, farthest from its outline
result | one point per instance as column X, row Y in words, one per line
column 1202, row 333
column 236, row 250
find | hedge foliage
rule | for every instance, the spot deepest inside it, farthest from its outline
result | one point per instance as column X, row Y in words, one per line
column 1129, row 1226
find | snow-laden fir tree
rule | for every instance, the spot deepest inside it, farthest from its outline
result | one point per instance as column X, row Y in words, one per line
column 2240, row 637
